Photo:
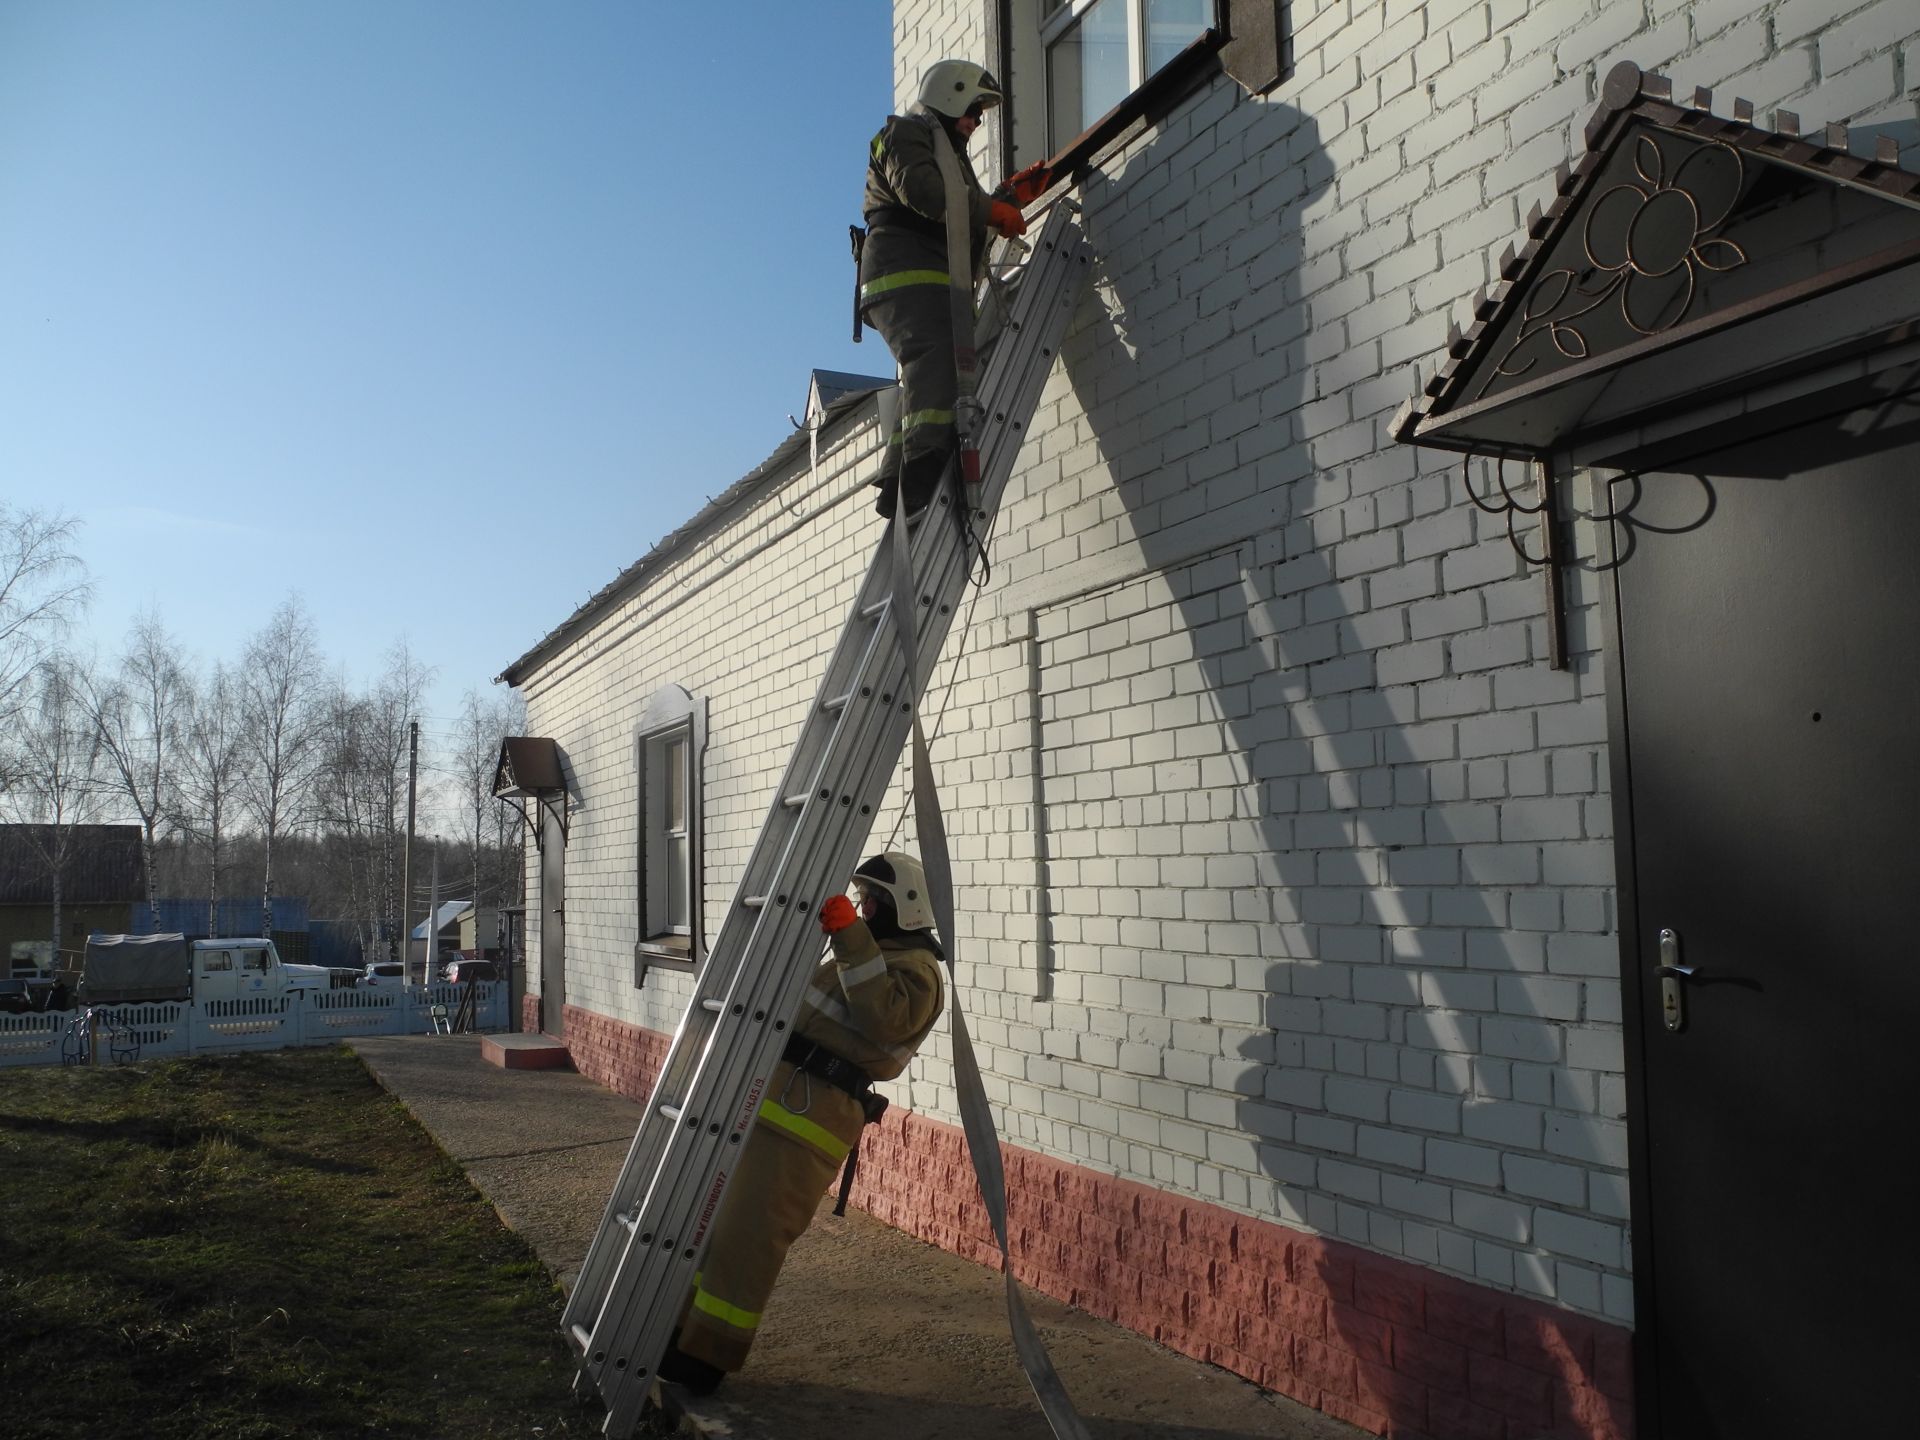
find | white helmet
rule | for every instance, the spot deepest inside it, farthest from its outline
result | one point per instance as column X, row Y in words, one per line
column 900, row 876
column 954, row 87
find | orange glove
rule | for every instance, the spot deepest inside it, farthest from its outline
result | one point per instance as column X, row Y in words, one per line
column 1028, row 186
column 837, row 914
column 1006, row 219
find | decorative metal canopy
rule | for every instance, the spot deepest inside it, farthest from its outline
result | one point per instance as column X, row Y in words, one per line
column 528, row 765
column 1681, row 244
column 529, row 768
column 1686, row 257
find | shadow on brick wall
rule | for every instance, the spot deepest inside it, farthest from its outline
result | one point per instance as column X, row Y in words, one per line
column 1292, row 534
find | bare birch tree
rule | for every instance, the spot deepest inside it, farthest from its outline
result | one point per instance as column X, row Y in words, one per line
column 280, row 684
column 343, row 799
column 138, row 712
column 397, row 700
column 482, row 725
column 207, row 779
column 56, row 785
column 42, row 587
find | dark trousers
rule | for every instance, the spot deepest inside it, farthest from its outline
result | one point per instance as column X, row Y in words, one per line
column 916, row 321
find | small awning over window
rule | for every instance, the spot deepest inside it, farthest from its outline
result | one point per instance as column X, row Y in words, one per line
column 528, row 765
column 1686, row 256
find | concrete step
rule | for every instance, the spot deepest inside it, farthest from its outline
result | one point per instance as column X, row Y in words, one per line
column 525, row 1052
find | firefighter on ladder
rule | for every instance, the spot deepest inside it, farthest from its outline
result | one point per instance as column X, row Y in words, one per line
column 906, row 275
column 869, row 1006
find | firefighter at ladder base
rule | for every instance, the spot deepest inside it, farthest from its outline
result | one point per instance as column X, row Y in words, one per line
column 869, row 1006
column 906, row 274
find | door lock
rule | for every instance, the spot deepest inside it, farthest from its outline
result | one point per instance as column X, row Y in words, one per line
column 1673, row 1004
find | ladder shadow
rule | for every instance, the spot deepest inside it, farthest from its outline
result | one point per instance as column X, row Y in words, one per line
column 827, row 1412
column 1366, row 887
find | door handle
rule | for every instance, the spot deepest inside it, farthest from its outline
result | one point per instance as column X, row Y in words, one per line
column 1673, row 1004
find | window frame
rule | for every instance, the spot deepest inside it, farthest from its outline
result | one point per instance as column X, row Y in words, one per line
column 673, row 718
column 1067, row 16
column 1248, row 43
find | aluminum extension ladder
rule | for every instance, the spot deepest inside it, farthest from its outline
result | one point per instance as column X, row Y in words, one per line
column 621, row 1313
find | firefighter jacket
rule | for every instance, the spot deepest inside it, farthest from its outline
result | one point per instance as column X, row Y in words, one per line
column 906, row 208
column 872, row 1003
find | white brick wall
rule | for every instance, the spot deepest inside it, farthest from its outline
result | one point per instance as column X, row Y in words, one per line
column 1289, row 884
column 745, row 619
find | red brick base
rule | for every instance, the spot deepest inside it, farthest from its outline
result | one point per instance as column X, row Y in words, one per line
column 1387, row 1345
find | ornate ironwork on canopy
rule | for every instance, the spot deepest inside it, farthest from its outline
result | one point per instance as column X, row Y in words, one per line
column 1687, row 256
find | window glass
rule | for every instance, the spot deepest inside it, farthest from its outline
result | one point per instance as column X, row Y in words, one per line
column 677, row 857
column 1106, row 50
column 668, row 747
column 1172, row 25
column 676, row 778
column 213, row 961
column 676, row 833
column 1088, row 72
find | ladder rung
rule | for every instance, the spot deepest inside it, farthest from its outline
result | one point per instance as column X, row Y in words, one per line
column 753, row 902
column 876, row 607
column 672, row 1112
column 626, row 1218
column 716, row 1006
column 794, row 802
column 837, row 703
column 582, row 1337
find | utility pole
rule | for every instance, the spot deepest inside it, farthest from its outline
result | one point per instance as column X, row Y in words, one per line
column 406, row 853
column 433, row 917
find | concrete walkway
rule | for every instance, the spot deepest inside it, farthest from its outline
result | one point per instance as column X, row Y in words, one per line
column 871, row 1336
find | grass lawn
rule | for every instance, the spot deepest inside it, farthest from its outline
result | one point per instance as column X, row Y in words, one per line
column 253, row 1246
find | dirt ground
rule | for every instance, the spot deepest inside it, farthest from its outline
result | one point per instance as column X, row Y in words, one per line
column 873, row 1335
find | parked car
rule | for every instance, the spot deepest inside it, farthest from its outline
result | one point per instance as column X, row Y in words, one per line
column 384, row 973
column 463, row 971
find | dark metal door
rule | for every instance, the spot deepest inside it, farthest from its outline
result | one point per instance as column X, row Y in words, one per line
column 553, row 920
column 1768, row 619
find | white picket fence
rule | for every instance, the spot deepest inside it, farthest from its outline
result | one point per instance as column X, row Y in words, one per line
column 120, row 1034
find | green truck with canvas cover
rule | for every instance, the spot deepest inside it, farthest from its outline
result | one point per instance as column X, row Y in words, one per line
column 151, row 969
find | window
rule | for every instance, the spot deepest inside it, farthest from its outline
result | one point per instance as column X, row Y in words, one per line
column 1101, row 51
column 213, row 962
column 673, row 829
column 1085, row 76
column 669, row 743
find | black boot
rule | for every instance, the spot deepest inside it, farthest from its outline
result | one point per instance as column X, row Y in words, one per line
column 693, row 1375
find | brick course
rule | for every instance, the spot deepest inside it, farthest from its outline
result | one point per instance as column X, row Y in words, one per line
column 1390, row 1346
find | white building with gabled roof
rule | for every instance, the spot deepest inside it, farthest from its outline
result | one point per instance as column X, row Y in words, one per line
column 1435, row 954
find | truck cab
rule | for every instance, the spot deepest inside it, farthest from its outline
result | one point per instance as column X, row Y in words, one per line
column 241, row 969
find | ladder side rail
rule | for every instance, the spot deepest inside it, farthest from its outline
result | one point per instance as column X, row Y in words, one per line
column 698, row 1027
column 949, row 584
column 673, row 1273
column 869, row 645
column 783, row 972
column 933, row 621
column 940, row 623
column 1031, row 298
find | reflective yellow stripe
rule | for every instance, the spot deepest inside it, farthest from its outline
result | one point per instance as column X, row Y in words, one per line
column 852, row 975
column 708, row 1303
column 774, row 1113
column 926, row 417
column 903, row 279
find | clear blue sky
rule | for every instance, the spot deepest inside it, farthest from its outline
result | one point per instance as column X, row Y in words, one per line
column 437, row 312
